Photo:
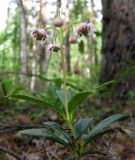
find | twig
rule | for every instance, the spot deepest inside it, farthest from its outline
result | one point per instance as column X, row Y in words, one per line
column 11, row 153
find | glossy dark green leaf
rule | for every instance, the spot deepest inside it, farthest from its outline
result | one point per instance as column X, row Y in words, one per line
column 52, row 91
column 103, row 125
column 108, row 130
column 58, row 128
column 40, row 132
column 101, row 133
column 60, row 94
column 77, row 100
column 82, row 125
column 40, row 102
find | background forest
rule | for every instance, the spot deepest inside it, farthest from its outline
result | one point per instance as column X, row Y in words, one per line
column 99, row 76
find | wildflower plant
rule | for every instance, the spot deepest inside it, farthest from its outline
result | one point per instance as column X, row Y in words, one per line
column 83, row 131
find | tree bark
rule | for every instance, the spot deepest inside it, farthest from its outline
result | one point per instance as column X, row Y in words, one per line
column 43, row 53
column 67, row 44
column 33, row 67
column 23, row 39
column 118, row 47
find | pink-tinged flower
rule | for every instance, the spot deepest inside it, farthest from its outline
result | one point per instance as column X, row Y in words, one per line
column 53, row 48
column 72, row 39
column 58, row 22
column 39, row 34
column 92, row 28
column 86, row 29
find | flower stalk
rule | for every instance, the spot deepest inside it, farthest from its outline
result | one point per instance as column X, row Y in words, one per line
column 68, row 116
column 64, row 76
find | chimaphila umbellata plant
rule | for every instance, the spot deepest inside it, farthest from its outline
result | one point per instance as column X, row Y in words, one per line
column 83, row 131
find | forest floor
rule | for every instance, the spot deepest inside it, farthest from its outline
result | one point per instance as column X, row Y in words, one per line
column 14, row 146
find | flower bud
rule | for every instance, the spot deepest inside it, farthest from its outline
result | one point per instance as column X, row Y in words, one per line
column 85, row 30
column 53, row 48
column 72, row 39
column 39, row 34
column 58, row 22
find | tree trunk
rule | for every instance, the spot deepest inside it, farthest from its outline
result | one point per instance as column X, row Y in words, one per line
column 118, row 47
column 43, row 67
column 33, row 67
column 67, row 44
column 23, row 39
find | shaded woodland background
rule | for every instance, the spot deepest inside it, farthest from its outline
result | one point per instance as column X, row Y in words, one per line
column 27, row 68
column 25, row 62
column 109, row 55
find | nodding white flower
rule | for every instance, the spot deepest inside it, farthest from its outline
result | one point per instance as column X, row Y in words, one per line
column 33, row 32
column 92, row 28
column 39, row 34
column 53, row 48
column 58, row 22
column 73, row 39
column 85, row 29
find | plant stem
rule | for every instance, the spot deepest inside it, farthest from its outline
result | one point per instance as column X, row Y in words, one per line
column 64, row 76
column 64, row 85
column 69, row 119
column 68, row 115
column 53, row 28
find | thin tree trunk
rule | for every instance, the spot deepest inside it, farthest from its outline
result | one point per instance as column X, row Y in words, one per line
column 67, row 46
column 43, row 24
column 93, row 20
column 118, row 47
column 33, row 78
column 23, row 39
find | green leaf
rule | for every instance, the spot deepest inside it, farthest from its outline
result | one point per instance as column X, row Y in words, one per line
column 58, row 128
column 82, row 125
column 109, row 130
column 40, row 132
column 81, row 46
column 105, row 84
column 60, row 94
column 102, row 132
column 102, row 126
column 17, row 90
column 52, row 91
column 58, row 82
column 40, row 102
column 7, row 85
column 77, row 100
